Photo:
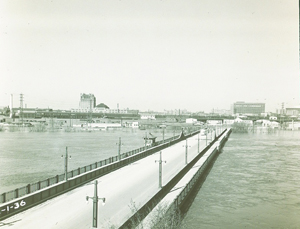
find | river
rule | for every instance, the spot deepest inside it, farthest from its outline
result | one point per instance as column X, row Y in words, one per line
column 254, row 183
column 28, row 157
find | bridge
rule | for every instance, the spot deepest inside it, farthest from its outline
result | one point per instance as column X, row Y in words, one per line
column 132, row 187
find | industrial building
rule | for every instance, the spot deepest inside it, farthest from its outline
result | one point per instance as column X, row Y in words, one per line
column 87, row 101
column 293, row 111
column 248, row 108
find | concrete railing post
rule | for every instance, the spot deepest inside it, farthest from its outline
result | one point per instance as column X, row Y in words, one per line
column 28, row 189
column 4, row 197
column 16, row 193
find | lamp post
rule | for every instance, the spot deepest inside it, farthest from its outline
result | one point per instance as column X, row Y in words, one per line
column 160, row 161
column 145, row 138
column 215, row 134
column 95, row 199
column 119, row 149
column 66, row 163
column 70, row 119
column 186, row 151
column 199, row 141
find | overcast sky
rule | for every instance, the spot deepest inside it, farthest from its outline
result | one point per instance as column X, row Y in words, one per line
column 194, row 55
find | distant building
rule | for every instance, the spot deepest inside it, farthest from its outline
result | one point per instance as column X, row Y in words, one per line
column 267, row 123
column 214, row 122
column 293, row 111
column 228, row 121
column 190, row 120
column 102, row 106
column 146, row 115
column 248, row 108
column 221, row 111
column 131, row 124
column 87, row 101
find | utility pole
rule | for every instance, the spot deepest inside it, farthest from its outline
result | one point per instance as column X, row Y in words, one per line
column 95, row 199
column 66, row 163
column 11, row 106
column 186, row 150
column 145, row 139
column 160, row 170
column 50, row 112
column 198, row 142
column 119, row 148
column 90, row 110
column 71, row 119
column 21, row 108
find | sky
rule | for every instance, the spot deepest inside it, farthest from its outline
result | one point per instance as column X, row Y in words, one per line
column 150, row 54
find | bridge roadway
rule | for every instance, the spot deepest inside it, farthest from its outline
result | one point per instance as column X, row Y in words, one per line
column 124, row 189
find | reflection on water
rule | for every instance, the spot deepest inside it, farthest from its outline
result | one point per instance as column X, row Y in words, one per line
column 255, row 183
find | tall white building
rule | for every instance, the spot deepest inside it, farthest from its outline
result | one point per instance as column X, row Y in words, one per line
column 87, row 101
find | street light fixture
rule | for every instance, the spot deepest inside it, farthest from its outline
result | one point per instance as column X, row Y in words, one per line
column 95, row 199
column 215, row 134
column 160, row 170
column 119, row 148
column 198, row 142
column 186, row 150
column 66, row 163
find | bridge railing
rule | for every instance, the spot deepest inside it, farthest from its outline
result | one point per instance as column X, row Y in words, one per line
column 34, row 187
column 181, row 197
column 141, row 213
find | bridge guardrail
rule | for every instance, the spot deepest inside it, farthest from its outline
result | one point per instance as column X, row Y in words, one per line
column 144, row 210
column 180, row 199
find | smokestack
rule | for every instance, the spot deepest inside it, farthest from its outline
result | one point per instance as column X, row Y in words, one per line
column 11, row 105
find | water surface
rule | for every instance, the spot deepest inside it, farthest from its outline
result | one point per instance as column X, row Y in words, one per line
column 28, row 157
column 255, row 183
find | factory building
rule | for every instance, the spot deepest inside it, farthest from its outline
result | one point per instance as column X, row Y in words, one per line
column 248, row 108
column 87, row 101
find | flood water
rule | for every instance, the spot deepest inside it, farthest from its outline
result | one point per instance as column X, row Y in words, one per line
column 29, row 157
column 254, row 183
